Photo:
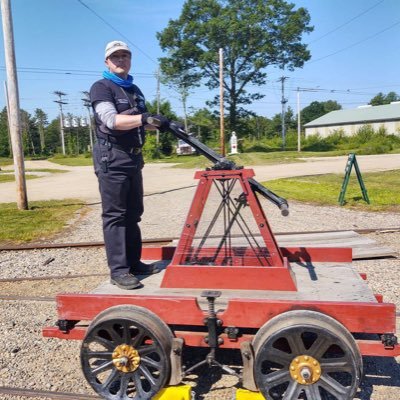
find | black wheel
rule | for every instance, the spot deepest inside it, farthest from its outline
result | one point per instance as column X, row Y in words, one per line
column 306, row 355
column 125, row 353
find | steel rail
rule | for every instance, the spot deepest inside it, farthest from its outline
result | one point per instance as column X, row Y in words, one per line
column 168, row 240
column 45, row 393
column 26, row 298
column 50, row 277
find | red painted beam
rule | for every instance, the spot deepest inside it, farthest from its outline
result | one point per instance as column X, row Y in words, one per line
column 171, row 309
column 215, row 277
column 376, row 348
column 355, row 316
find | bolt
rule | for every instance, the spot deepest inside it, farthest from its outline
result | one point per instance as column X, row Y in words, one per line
column 292, row 368
column 306, row 358
column 315, row 363
column 297, row 360
column 305, row 373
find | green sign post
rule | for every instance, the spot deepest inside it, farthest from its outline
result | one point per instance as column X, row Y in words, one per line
column 350, row 162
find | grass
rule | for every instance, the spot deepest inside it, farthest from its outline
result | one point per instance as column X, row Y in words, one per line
column 10, row 177
column 383, row 190
column 244, row 159
column 77, row 161
column 6, row 161
column 43, row 220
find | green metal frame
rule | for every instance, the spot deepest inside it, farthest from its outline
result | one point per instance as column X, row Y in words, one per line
column 350, row 162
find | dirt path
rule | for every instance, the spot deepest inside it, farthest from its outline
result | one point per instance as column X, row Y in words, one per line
column 81, row 183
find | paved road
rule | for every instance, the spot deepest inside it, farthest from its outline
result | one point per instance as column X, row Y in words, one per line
column 81, row 183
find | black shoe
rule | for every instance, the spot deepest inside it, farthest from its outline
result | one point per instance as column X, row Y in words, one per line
column 126, row 281
column 144, row 269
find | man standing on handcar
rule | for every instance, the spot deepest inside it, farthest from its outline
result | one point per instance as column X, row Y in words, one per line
column 120, row 117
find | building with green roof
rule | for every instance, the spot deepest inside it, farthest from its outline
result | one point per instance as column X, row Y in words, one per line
column 350, row 121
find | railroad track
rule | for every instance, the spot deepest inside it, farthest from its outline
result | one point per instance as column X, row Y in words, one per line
column 166, row 241
column 45, row 393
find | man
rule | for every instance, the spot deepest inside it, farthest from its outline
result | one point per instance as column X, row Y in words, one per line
column 120, row 116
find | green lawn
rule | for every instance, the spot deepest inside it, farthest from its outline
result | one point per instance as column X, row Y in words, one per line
column 43, row 220
column 5, row 161
column 77, row 161
column 9, row 175
column 383, row 190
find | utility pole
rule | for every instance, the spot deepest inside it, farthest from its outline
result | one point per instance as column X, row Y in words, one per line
column 298, row 122
column 283, row 101
column 221, row 100
column 60, row 103
column 13, row 103
column 87, row 104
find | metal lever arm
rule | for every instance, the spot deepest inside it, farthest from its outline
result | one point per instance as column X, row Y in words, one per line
column 223, row 163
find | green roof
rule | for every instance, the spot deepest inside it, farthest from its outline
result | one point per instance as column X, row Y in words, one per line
column 364, row 115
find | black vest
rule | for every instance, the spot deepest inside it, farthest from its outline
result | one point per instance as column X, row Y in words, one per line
column 130, row 101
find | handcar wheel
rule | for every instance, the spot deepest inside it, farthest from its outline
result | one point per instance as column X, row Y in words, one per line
column 125, row 353
column 306, row 355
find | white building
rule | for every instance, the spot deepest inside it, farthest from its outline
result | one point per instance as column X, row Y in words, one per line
column 350, row 121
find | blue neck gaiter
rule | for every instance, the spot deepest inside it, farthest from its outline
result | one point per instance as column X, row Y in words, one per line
column 125, row 83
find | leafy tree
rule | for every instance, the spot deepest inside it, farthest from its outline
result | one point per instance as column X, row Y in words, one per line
column 53, row 140
column 381, row 99
column 204, row 124
column 30, row 134
column 167, row 140
column 254, row 34
column 5, row 150
column 255, row 127
column 317, row 109
column 41, row 123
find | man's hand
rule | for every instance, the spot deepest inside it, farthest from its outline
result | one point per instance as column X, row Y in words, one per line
column 157, row 120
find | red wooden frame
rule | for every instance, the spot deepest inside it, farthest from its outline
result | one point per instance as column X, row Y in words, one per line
column 241, row 313
column 265, row 271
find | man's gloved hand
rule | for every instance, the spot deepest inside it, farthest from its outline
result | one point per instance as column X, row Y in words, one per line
column 157, row 120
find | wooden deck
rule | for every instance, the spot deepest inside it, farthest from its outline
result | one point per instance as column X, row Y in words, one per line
column 315, row 282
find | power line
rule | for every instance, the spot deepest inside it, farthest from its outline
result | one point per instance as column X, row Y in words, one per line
column 347, row 22
column 116, row 30
column 355, row 44
column 58, row 71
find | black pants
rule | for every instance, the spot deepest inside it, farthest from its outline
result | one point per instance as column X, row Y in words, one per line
column 121, row 189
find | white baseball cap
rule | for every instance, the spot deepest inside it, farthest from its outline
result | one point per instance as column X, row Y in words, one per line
column 114, row 46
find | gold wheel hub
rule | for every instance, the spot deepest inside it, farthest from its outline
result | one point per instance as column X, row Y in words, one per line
column 126, row 358
column 306, row 370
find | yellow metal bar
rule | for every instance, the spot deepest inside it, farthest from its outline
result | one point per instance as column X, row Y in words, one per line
column 182, row 392
column 243, row 394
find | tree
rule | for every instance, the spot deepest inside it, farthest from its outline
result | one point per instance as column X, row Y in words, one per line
column 5, row 146
column 381, row 99
column 30, row 134
column 254, row 34
column 203, row 123
column 41, row 123
column 53, row 136
column 166, row 138
column 317, row 109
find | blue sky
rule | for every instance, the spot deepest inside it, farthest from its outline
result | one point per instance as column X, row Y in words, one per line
column 60, row 46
